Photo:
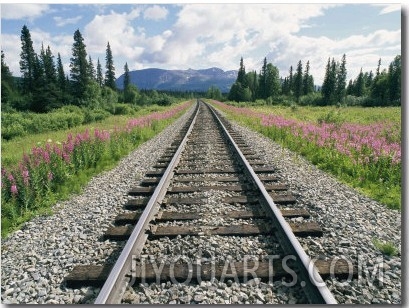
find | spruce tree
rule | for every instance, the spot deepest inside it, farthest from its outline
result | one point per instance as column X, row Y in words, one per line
column 27, row 61
column 272, row 81
column 127, row 77
column 394, row 79
column 100, row 78
column 308, row 80
column 47, row 60
column 360, row 84
column 341, row 80
column 91, row 69
column 241, row 76
column 60, row 74
column 329, row 84
column 110, row 69
column 291, row 80
column 263, row 80
column 7, row 82
column 298, row 82
column 79, row 66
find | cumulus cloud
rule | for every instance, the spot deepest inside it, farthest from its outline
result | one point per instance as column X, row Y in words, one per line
column 218, row 34
column 155, row 12
column 58, row 43
column 61, row 21
column 23, row 10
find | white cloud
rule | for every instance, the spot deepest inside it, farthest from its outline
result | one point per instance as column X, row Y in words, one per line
column 20, row 10
column 11, row 44
column 155, row 12
column 218, row 34
column 389, row 8
column 61, row 21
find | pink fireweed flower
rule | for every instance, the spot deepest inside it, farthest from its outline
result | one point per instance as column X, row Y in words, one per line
column 10, row 177
column 50, row 176
column 26, row 177
column 14, row 190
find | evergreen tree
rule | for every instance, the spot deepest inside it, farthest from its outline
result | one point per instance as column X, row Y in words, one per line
column 308, row 80
column 91, row 69
column 100, row 78
column 368, row 80
column 27, row 61
column 360, row 85
column 79, row 66
column 329, row 84
column 127, row 77
column 341, row 81
column 394, row 79
column 380, row 89
column 286, row 86
column 263, row 81
column 47, row 60
column 61, row 81
column 40, row 98
column 252, row 80
column 8, row 88
column 378, row 69
column 273, row 84
column 298, row 82
column 241, row 76
column 291, row 81
column 110, row 69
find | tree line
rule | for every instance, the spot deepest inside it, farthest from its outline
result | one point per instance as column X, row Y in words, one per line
column 380, row 89
column 44, row 85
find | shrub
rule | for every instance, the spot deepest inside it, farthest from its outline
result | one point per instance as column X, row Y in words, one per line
column 311, row 99
column 332, row 116
column 387, row 248
column 94, row 115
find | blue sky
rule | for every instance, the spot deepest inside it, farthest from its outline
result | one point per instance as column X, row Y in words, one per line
column 172, row 36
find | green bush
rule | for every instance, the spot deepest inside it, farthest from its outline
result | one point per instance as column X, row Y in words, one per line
column 121, row 109
column 94, row 115
column 311, row 99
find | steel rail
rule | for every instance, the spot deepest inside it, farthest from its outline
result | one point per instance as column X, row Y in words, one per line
column 315, row 288
column 118, row 279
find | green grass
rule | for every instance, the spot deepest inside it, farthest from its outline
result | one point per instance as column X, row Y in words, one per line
column 13, row 215
column 387, row 248
column 358, row 115
column 12, row 151
column 379, row 180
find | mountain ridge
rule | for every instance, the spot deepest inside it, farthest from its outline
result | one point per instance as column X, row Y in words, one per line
column 199, row 80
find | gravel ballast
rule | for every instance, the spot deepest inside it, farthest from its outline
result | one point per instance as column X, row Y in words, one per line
column 350, row 220
column 36, row 259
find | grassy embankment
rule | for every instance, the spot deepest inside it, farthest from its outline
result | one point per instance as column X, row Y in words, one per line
column 40, row 169
column 360, row 146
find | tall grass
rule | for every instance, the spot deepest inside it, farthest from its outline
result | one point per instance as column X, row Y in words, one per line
column 365, row 156
column 52, row 171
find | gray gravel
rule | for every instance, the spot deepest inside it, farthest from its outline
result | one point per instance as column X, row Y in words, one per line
column 350, row 222
column 36, row 258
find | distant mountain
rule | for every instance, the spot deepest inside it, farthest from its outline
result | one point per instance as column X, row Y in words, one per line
column 181, row 80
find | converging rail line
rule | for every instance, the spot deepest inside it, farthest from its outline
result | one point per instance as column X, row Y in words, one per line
column 208, row 193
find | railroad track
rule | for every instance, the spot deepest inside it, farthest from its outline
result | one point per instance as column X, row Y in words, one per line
column 212, row 210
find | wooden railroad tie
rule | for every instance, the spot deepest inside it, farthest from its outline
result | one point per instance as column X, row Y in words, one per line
column 96, row 275
column 122, row 233
column 147, row 190
column 132, row 218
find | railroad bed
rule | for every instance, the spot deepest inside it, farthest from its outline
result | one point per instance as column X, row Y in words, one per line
column 38, row 259
column 186, row 225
